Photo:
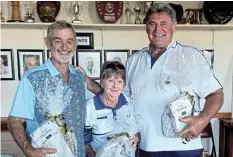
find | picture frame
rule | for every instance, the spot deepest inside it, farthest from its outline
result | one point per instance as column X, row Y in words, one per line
column 118, row 55
column 85, row 40
column 7, row 64
column 28, row 59
column 72, row 61
column 90, row 61
column 209, row 54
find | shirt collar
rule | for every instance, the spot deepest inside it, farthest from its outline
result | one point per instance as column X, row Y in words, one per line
column 99, row 105
column 172, row 44
column 53, row 70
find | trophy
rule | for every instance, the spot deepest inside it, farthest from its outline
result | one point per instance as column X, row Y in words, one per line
column 109, row 11
column 76, row 9
column 29, row 18
column 191, row 16
column 2, row 18
column 137, row 19
column 147, row 5
column 200, row 17
column 15, row 12
column 48, row 10
column 127, row 12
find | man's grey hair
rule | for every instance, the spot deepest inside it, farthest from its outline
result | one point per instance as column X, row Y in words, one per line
column 60, row 24
column 161, row 8
column 107, row 73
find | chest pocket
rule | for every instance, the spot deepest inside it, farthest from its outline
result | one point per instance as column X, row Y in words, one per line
column 103, row 123
column 169, row 85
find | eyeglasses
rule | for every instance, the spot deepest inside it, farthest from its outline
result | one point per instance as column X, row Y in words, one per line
column 115, row 65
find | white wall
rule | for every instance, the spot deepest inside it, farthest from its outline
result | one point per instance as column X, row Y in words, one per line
column 88, row 14
column 220, row 41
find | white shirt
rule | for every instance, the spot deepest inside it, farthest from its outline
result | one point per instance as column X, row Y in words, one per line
column 186, row 69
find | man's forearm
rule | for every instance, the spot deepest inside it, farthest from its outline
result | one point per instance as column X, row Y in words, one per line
column 90, row 151
column 213, row 104
column 92, row 85
column 17, row 130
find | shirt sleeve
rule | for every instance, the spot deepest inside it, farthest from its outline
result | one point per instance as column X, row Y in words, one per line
column 204, row 79
column 127, row 90
column 88, row 125
column 24, row 102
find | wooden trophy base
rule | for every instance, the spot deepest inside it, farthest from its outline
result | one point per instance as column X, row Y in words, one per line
column 15, row 21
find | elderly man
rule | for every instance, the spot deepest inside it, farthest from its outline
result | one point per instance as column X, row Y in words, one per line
column 156, row 76
column 52, row 91
column 30, row 61
column 89, row 66
column 170, row 68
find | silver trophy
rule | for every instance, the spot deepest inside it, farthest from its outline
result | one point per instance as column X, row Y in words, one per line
column 127, row 12
column 29, row 18
column 137, row 19
column 147, row 5
column 2, row 18
column 76, row 9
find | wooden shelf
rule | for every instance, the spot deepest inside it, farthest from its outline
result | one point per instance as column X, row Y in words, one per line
column 115, row 26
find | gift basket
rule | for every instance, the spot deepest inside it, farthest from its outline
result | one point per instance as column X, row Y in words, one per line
column 119, row 145
column 185, row 105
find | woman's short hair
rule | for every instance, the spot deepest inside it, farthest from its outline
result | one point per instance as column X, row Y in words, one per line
column 112, row 68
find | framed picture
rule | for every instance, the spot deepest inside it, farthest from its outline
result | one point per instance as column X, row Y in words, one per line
column 28, row 59
column 7, row 64
column 117, row 55
column 209, row 54
column 85, row 40
column 134, row 51
column 70, row 62
column 90, row 61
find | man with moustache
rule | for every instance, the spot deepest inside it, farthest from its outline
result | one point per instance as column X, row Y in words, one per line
column 156, row 76
column 53, row 90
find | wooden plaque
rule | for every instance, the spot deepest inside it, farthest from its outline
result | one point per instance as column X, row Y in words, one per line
column 109, row 11
column 48, row 10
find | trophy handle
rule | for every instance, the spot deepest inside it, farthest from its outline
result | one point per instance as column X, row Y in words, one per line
column 80, row 10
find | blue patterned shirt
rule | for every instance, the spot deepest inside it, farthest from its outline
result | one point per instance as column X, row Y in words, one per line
column 42, row 91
